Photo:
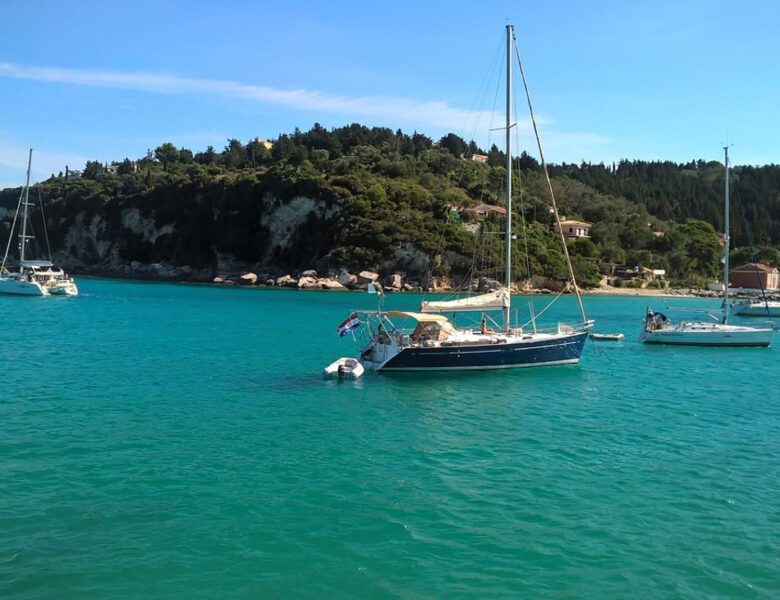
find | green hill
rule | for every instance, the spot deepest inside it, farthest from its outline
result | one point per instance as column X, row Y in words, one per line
column 356, row 198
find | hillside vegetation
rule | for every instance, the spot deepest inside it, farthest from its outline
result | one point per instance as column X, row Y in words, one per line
column 358, row 198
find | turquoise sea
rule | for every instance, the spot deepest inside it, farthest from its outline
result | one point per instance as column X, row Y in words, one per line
column 172, row 441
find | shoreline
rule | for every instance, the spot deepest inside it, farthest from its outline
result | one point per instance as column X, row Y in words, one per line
column 650, row 293
column 608, row 291
column 360, row 288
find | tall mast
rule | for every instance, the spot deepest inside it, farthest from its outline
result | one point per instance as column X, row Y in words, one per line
column 508, row 238
column 23, row 241
column 726, row 241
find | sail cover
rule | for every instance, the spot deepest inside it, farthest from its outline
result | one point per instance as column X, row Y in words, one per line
column 490, row 301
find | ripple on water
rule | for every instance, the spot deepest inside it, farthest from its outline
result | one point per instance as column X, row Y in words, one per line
column 191, row 448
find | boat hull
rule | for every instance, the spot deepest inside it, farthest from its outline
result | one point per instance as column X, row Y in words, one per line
column 21, row 288
column 66, row 288
column 556, row 350
column 757, row 310
column 607, row 337
column 708, row 336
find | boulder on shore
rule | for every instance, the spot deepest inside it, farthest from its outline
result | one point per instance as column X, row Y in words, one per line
column 365, row 277
column 307, row 283
column 394, row 282
column 249, row 278
column 348, row 280
column 309, row 273
column 286, row 281
column 329, row 283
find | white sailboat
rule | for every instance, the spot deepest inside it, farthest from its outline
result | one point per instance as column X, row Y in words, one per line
column 755, row 307
column 433, row 343
column 33, row 277
column 658, row 329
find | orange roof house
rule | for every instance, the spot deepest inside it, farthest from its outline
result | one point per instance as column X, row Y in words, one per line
column 747, row 276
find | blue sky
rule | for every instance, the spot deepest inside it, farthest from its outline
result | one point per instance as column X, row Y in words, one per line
column 609, row 79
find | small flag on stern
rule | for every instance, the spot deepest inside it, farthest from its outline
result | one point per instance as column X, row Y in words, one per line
column 350, row 323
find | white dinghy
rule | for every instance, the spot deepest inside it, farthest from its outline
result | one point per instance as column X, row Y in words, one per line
column 607, row 337
column 344, row 367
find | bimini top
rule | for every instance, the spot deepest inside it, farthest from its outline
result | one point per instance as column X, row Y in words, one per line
column 36, row 263
column 490, row 301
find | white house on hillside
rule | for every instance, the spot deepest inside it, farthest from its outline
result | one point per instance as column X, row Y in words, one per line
column 573, row 229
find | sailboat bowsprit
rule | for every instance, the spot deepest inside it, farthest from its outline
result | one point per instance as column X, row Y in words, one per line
column 433, row 343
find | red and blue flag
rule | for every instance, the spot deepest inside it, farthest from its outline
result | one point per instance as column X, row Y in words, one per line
column 350, row 324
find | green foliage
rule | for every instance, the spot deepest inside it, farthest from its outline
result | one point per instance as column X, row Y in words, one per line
column 166, row 154
column 584, row 247
column 92, row 170
column 453, row 144
column 586, row 272
column 382, row 188
column 702, row 249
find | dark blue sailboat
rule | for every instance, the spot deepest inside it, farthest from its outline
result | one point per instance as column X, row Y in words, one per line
column 432, row 343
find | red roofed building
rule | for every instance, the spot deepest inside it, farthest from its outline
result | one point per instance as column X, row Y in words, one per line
column 482, row 210
column 747, row 276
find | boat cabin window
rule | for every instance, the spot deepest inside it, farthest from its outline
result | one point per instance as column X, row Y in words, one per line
column 431, row 331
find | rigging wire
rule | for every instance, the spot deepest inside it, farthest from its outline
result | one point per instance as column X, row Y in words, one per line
column 43, row 218
column 549, row 184
column 11, row 231
column 521, row 196
column 752, row 252
column 479, row 98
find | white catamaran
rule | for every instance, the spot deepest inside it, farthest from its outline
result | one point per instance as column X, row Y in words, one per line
column 33, row 277
column 658, row 329
column 433, row 343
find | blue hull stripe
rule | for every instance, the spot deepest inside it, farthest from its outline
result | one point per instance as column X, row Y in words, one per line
column 713, row 344
column 559, row 351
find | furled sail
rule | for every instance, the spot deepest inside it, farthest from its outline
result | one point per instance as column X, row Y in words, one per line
column 491, row 301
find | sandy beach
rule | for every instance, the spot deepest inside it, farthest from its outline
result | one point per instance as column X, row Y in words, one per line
column 626, row 291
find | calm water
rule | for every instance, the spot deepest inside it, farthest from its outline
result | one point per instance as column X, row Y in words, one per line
column 179, row 442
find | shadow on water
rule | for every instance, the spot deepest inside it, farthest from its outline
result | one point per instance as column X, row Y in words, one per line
column 300, row 383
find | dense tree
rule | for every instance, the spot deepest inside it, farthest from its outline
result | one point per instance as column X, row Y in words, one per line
column 166, row 154
column 92, row 169
column 126, row 167
column 453, row 144
column 383, row 187
column 207, row 157
column 234, row 155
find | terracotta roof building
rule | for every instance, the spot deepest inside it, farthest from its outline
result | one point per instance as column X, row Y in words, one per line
column 747, row 276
